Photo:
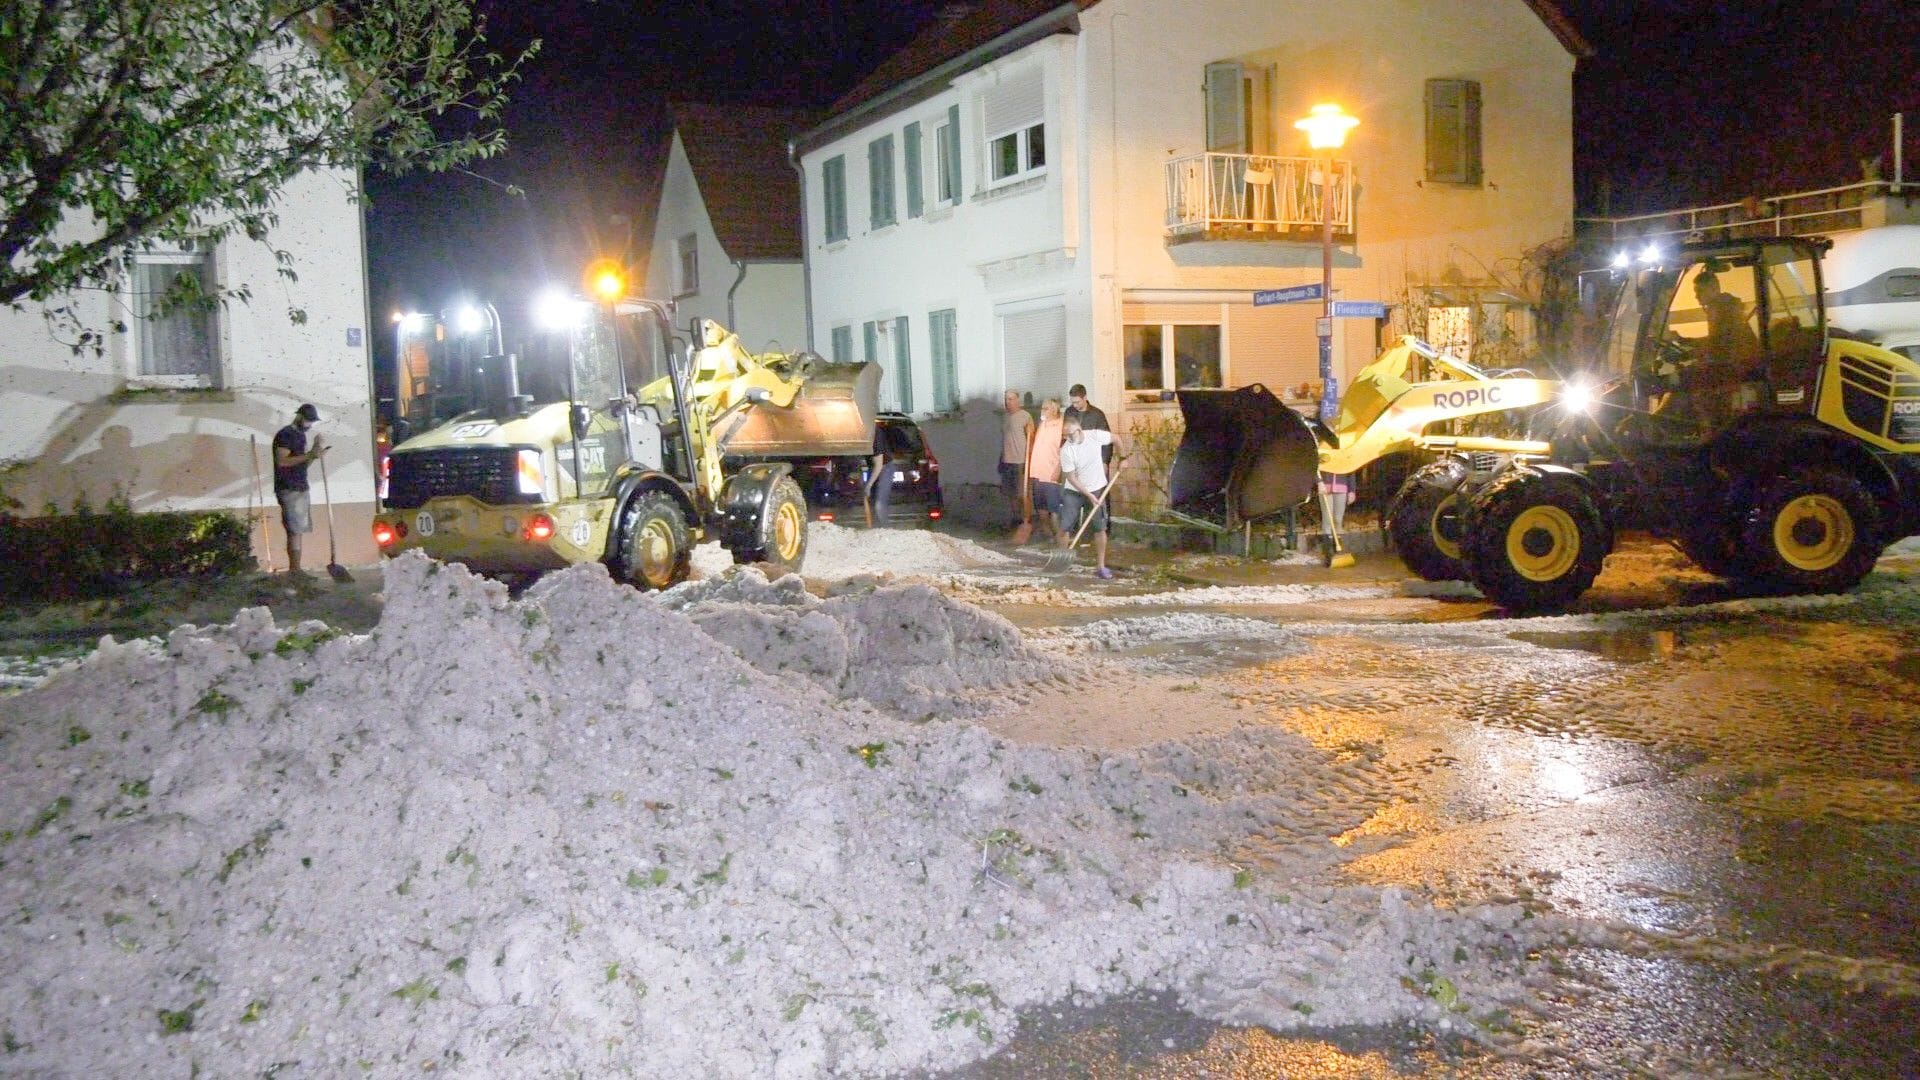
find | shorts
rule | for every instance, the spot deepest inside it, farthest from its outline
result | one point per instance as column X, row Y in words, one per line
column 1011, row 473
column 1076, row 507
column 296, row 511
column 1046, row 496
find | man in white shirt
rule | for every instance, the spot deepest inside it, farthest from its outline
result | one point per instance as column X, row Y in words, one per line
column 1084, row 476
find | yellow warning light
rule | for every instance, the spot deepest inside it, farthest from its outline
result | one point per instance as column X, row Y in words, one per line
column 607, row 280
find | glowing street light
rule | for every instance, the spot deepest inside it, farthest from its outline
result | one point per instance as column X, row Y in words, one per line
column 1326, row 126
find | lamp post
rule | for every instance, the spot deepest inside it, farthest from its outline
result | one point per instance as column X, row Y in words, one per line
column 1326, row 126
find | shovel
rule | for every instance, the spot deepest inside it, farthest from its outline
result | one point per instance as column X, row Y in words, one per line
column 334, row 569
column 253, row 499
column 1061, row 561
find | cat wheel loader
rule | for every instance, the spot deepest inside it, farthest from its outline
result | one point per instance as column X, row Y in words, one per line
column 606, row 439
column 1718, row 410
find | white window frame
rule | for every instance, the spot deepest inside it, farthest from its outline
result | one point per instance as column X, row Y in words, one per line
column 947, row 174
column 1023, row 155
column 1169, row 356
column 212, row 376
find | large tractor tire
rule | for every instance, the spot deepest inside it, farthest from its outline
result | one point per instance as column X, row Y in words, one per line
column 781, row 538
column 1425, row 525
column 650, row 545
column 1534, row 540
column 1813, row 530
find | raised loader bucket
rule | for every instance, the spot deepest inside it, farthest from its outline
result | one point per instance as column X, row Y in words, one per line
column 832, row 416
column 1244, row 455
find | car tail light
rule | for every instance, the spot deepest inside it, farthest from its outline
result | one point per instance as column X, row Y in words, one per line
column 824, row 515
column 539, row 529
column 386, row 473
column 933, row 515
column 384, row 534
column 933, row 463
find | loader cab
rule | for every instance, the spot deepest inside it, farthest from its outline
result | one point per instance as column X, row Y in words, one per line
column 1715, row 332
column 598, row 357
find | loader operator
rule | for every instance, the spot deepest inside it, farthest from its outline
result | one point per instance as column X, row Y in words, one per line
column 1726, row 356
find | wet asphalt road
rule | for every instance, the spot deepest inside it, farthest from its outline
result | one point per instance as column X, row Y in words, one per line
column 1735, row 784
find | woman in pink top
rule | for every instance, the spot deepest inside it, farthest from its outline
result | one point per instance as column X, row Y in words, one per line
column 1043, row 467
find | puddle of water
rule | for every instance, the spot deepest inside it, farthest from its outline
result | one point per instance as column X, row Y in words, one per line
column 1621, row 646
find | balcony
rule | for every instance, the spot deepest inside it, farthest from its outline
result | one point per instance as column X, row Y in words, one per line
column 1255, row 197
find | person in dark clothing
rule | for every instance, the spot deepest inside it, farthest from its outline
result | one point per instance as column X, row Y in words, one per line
column 880, row 480
column 291, row 456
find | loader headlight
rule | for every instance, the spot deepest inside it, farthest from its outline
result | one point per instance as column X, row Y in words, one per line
column 555, row 310
column 1578, row 398
column 531, row 472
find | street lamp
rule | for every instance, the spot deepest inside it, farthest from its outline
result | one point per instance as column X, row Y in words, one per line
column 1326, row 126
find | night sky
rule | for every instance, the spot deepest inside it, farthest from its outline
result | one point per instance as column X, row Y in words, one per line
column 1682, row 103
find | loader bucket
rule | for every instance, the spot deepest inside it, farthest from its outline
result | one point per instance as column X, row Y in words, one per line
column 832, row 416
column 1243, row 456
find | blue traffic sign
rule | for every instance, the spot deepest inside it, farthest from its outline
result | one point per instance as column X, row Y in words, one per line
column 1359, row 309
column 1295, row 295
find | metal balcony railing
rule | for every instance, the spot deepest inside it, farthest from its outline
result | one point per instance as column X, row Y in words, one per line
column 1255, row 194
column 1835, row 209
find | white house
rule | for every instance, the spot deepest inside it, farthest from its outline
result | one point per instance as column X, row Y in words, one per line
column 178, row 412
column 726, row 236
column 1035, row 193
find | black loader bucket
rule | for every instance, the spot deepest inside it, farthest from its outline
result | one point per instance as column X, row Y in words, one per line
column 831, row 417
column 1243, row 456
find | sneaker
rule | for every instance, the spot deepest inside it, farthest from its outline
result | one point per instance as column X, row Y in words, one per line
column 1104, row 574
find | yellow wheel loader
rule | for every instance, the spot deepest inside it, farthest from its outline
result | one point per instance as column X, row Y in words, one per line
column 606, row 439
column 1719, row 411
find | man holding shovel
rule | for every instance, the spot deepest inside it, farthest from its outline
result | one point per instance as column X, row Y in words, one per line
column 291, row 456
column 1084, row 474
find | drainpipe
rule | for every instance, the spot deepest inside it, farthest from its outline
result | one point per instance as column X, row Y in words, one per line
column 806, row 254
column 738, row 280
column 1899, row 148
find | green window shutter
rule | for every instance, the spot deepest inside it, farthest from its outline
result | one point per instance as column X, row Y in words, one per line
column 910, row 149
column 880, row 181
column 843, row 344
column 946, row 373
column 870, row 342
column 833, row 183
column 953, row 152
column 903, row 364
column 1226, row 107
column 1453, row 131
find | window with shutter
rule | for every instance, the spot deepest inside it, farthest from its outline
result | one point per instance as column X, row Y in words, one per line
column 910, row 150
column 1033, row 348
column 950, row 156
column 880, row 182
column 843, row 344
column 902, row 365
column 833, row 188
column 943, row 344
column 1226, row 107
column 1453, row 131
column 1013, row 113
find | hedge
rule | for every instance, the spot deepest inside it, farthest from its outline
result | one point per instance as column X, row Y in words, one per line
column 91, row 553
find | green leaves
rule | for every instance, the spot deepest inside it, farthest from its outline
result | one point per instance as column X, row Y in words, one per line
column 126, row 124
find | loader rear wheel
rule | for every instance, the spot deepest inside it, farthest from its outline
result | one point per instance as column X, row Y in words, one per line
column 1534, row 541
column 1426, row 523
column 781, row 539
column 651, row 548
column 1813, row 531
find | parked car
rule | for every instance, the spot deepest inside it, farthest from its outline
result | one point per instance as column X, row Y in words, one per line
column 835, row 486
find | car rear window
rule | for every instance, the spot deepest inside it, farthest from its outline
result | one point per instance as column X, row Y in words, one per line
column 902, row 439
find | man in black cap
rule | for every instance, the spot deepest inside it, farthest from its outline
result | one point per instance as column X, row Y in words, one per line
column 291, row 456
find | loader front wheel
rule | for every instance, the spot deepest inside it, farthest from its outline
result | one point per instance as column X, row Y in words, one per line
column 1534, row 541
column 1813, row 531
column 1425, row 526
column 781, row 539
column 651, row 547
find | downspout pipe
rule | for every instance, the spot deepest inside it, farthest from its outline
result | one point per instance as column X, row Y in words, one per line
column 740, row 279
column 806, row 245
